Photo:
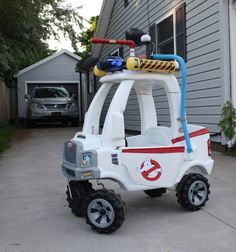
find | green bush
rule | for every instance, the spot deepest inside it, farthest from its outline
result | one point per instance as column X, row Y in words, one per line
column 6, row 134
column 228, row 120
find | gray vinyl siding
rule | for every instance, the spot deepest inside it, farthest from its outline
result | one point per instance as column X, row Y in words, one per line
column 60, row 68
column 204, row 64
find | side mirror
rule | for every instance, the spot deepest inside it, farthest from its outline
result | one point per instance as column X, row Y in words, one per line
column 27, row 96
column 73, row 96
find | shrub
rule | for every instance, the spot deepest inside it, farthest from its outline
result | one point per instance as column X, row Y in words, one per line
column 6, row 134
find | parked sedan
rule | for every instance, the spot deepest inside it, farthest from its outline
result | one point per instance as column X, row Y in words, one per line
column 51, row 104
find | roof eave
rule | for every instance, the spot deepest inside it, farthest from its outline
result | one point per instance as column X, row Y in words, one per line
column 48, row 59
column 103, row 23
column 86, row 63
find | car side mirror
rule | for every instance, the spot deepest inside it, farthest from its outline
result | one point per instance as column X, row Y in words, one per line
column 27, row 96
column 74, row 96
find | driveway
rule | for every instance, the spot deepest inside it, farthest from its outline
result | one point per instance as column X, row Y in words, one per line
column 34, row 215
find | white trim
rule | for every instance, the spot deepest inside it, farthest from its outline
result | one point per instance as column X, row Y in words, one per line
column 48, row 59
column 174, row 31
column 167, row 14
column 162, row 18
column 115, row 51
column 232, row 39
column 232, row 25
column 224, row 56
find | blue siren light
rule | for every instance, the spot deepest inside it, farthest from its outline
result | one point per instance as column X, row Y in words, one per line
column 111, row 64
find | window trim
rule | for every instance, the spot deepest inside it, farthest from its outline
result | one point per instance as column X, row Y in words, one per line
column 115, row 51
column 119, row 51
column 91, row 81
column 162, row 18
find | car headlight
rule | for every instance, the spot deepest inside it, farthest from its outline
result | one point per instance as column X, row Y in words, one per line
column 36, row 105
column 71, row 104
column 86, row 160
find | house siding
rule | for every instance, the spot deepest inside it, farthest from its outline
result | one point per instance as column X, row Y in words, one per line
column 60, row 68
column 204, row 51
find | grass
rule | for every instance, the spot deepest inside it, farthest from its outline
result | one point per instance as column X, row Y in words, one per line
column 6, row 135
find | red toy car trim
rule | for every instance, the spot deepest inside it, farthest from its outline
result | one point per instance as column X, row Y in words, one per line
column 192, row 134
column 162, row 150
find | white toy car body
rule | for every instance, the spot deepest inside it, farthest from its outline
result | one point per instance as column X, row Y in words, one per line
column 107, row 155
column 157, row 159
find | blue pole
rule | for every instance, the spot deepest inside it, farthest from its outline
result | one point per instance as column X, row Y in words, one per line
column 183, row 93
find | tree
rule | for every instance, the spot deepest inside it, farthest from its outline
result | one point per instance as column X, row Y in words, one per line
column 25, row 25
column 85, row 37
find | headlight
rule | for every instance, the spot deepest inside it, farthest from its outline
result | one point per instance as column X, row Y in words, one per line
column 36, row 105
column 86, row 160
column 71, row 104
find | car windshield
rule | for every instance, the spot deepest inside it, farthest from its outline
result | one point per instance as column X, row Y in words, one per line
column 50, row 93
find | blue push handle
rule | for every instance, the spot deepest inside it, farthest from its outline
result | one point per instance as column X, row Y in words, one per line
column 182, row 65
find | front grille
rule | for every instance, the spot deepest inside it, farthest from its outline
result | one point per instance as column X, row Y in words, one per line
column 55, row 106
column 70, row 153
column 70, row 172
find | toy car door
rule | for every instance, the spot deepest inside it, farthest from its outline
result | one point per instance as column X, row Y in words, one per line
column 153, row 166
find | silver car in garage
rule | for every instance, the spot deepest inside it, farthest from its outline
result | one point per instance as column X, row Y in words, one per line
column 51, row 104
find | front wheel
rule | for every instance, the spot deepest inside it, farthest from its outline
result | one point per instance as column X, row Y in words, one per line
column 105, row 211
column 77, row 194
column 193, row 191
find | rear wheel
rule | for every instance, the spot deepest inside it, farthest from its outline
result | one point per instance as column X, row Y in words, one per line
column 193, row 191
column 105, row 211
column 155, row 192
column 77, row 195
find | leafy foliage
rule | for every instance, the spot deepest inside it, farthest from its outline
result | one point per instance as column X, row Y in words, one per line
column 86, row 35
column 6, row 134
column 25, row 25
column 228, row 120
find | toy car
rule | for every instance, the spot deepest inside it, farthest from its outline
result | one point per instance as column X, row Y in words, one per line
column 157, row 159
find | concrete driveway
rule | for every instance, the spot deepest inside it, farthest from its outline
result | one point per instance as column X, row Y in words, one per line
column 34, row 215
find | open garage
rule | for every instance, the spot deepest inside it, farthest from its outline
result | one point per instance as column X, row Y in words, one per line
column 57, row 70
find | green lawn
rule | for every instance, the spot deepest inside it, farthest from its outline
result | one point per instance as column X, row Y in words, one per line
column 6, row 135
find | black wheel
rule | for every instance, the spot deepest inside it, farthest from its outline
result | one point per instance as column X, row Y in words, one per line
column 155, row 192
column 105, row 211
column 79, row 192
column 193, row 191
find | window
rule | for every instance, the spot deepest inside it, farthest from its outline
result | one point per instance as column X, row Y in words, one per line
column 169, row 34
column 118, row 52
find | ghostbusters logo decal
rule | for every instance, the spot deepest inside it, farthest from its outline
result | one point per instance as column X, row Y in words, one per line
column 150, row 169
